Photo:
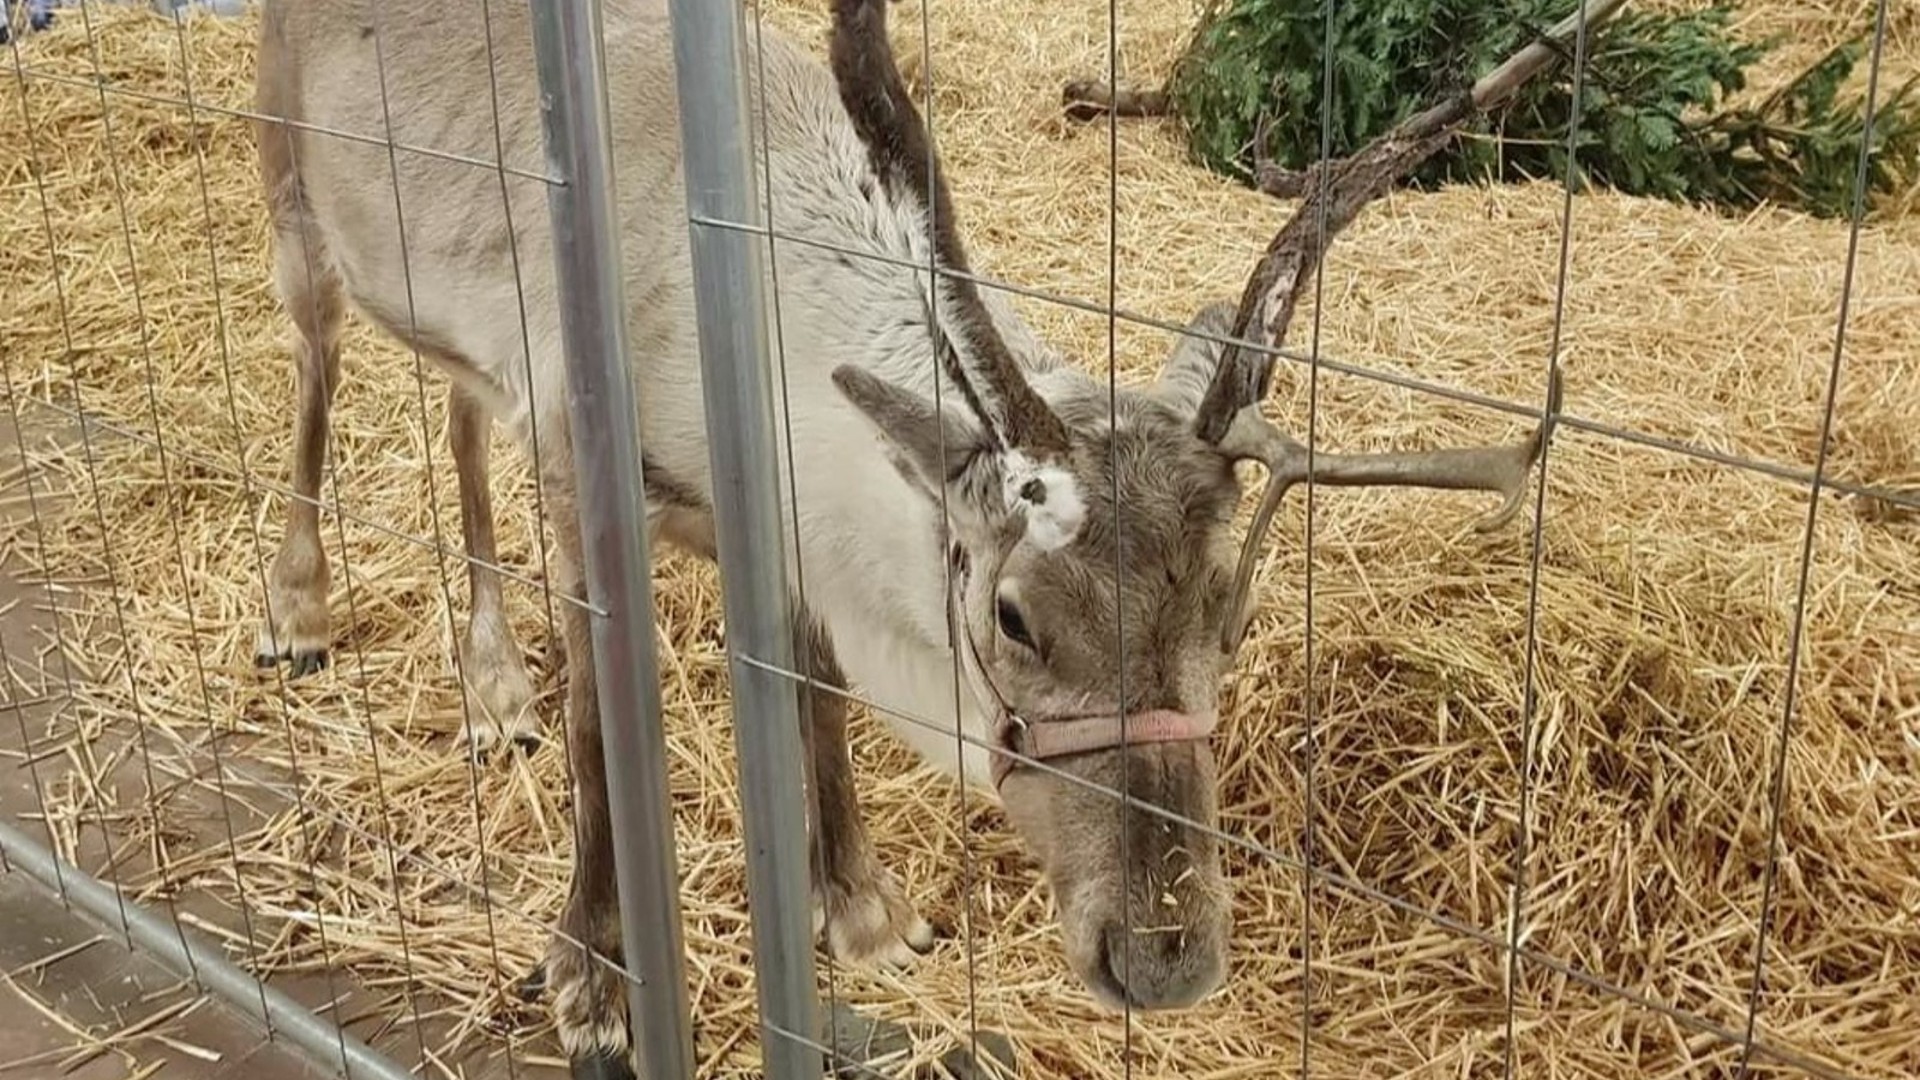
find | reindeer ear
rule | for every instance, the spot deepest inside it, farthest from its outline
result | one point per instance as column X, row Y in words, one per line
column 931, row 448
column 1189, row 368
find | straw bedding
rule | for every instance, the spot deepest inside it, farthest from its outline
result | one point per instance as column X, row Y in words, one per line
column 1666, row 604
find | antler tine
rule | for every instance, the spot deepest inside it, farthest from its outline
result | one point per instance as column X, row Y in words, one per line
column 1503, row 469
column 1334, row 192
column 883, row 113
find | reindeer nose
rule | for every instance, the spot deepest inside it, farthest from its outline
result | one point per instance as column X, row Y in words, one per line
column 1158, row 967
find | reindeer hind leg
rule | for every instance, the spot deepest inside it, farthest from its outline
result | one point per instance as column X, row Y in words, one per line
column 296, row 627
column 491, row 662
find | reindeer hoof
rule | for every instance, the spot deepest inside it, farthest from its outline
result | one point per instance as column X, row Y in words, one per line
column 601, row 1065
column 483, row 739
column 300, row 663
column 533, row 985
column 870, row 922
column 588, row 1002
column 500, row 693
column 306, row 662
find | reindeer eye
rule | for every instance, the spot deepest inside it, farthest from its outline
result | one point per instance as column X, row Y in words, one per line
column 1011, row 624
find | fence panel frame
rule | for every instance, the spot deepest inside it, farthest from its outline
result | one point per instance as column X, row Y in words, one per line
column 730, row 271
column 616, row 560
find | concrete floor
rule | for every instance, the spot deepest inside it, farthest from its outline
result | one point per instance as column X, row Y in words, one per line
column 72, row 989
column 68, row 981
column 78, row 1007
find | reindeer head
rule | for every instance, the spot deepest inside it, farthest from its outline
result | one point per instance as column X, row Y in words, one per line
column 1068, row 617
column 1098, row 593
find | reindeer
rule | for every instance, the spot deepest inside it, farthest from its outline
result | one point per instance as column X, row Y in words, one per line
column 961, row 486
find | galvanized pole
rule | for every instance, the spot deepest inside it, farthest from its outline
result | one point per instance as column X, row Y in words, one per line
column 190, row 956
column 606, row 456
column 730, row 266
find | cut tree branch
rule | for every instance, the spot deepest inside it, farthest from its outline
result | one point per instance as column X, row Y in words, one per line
column 1336, row 191
column 1086, row 99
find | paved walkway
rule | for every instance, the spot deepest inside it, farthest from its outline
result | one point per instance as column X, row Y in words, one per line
column 73, row 993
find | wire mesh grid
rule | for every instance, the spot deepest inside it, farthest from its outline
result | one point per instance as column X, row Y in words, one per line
column 269, row 812
column 174, row 467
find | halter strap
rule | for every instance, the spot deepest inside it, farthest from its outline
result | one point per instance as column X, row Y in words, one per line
column 1059, row 737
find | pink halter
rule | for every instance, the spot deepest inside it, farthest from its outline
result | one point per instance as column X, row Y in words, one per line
column 1059, row 737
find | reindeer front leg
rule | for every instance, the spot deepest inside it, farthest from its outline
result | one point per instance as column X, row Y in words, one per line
column 588, row 996
column 858, row 902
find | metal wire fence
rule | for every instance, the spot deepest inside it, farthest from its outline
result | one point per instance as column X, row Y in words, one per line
column 140, row 735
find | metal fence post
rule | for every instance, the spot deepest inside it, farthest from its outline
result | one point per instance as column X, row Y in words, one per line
column 729, row 261
column 606, row 445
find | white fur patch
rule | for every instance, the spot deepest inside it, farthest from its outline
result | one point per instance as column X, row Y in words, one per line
column 1054, row 520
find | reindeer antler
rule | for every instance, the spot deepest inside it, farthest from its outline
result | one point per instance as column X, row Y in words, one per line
column 883, row 113
column 1334, row 192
